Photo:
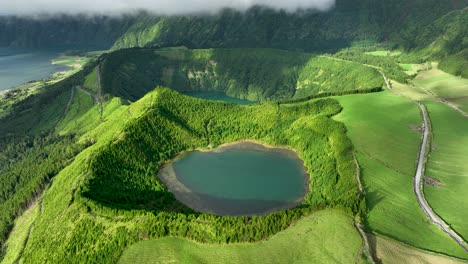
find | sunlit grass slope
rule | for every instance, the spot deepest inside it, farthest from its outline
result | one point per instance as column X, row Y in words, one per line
column 323, row 237
column 383, row 127
column 391, row 251
column 446, row 86
column 448, row 164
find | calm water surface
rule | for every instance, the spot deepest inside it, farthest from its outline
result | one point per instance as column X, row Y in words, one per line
column 244, row 179
column 21, row 66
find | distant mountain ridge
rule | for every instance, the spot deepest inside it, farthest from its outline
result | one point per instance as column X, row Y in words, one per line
column 350, row 20
column 62, row 31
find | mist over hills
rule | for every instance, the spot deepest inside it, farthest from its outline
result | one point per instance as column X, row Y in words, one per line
column 307, row 30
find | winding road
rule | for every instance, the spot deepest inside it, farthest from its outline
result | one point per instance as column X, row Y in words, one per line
column 418, row 184
column 418, row 180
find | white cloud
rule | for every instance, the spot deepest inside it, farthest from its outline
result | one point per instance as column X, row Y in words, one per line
column 168, row 7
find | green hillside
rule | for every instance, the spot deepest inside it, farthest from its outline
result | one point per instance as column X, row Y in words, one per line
column 299, row 242
column 310, row 31
column 258, row 27
column 80, row 156
column 110, row 193
column 253, row 74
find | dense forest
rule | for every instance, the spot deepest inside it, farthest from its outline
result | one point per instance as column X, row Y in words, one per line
column 253, row 74
column 26, row 166
column 120, row 200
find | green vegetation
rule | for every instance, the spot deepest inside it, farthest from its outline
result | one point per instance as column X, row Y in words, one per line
column 26, row 166
column 109, row 197
column 91, row 82
column 323, row 237
column 445, row 86
column 253, row 74
column 387, row 146
column 388, row 64
column 383, row 53
column 263, row 27
column 447, row 170
column 20, row 233
column 391, row 251
column 38, row 112
column 456, row 64
column 79, row 106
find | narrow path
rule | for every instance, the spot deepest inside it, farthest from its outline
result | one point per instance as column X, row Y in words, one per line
column 442, row 100
column 20, row 255
column 386, row 81
column 98, row 74
column 98, row 95
column 67, row 108
column 99, row 91
column 365, row 242
column 96, row 98
column 418, row 184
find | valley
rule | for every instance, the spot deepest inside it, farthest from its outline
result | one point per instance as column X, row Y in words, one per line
column 331, row 136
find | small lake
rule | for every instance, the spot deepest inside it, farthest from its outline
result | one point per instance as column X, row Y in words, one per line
column 218, row 96
column 21, row 66
column 244, row 178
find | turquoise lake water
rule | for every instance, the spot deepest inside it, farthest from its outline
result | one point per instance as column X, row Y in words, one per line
column 21, row 66
column 245, row 179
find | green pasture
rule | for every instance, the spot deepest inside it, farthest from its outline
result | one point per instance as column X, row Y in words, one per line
column 448, row 164
column 446, row 86
column 383, row 128
column 323, row 237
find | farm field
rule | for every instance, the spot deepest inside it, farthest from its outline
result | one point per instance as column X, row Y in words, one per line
column 323, row 237
column 448, row 87
column 387, row 145
column 411, row 69
column 388, row 250
column 383, row 53
column 447, row 167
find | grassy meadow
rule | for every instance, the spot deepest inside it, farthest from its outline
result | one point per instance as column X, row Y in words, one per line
column 383, row 53
column 446, row 86
column 388, row 250
column 384, row 130
column 448, row 165
column 90, row 82
column 323, row 237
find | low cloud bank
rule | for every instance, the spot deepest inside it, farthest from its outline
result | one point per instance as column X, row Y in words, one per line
column 164, row 7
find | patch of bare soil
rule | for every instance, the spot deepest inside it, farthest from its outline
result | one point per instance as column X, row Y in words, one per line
column 432, row 181
column 416, row 128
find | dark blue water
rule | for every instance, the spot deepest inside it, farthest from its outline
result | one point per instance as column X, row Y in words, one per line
column 21, row 66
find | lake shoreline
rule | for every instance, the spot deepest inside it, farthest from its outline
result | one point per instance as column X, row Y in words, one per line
column 166, row 174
